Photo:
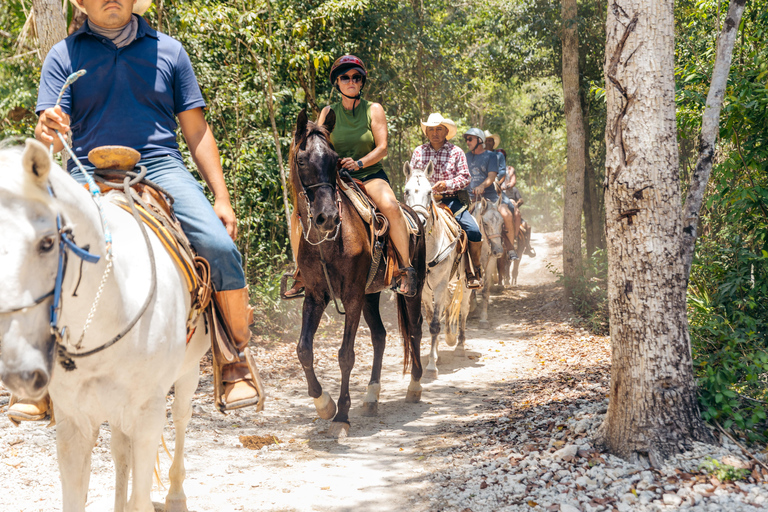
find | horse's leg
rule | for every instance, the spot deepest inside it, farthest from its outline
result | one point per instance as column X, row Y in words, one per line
column 121, row 454
column 428, row 299
column 145, row 434
column 340, row 425
column 73, row 448
column 311, row 315
column 459, row 350
column 413, row 307
column 378, row 340
column 184, row 388
column 486, row 296
column 515, row 269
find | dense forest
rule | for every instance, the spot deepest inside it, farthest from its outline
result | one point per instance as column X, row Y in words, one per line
column 496, row 65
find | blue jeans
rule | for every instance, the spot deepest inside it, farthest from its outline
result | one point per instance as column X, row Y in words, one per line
column 466, row 220
column 200, row 223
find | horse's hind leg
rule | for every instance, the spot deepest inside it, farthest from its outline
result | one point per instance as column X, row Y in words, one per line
column 121, row 454
column 145, row 434
column 184, row 388
column 430, row 311
column 378, row 340
column 311, row 315
column 340, row 425
column 459, row 350
column 414, row 319
column 74, row 447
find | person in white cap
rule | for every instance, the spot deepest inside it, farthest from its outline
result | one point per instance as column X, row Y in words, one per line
column 511, row 217
column 484, row 168
column 449, row 177
column 138, row 89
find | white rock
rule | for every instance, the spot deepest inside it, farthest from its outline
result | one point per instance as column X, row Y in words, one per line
column 672, row 499
column 565, row 507
column 628, row 498
column 567, row 451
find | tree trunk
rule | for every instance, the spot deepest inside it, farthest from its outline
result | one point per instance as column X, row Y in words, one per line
column 710, row 125
column 653, row 412
column 307, row 82
column 50, row 24
column 574, row 123
column 78, row 18
column 593, row 221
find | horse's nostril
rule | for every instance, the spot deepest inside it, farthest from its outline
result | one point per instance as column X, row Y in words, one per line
column 37, row 379
column 321, row 219
column 336, row 219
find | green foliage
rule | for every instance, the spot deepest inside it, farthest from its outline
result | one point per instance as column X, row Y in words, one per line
column 728, row 290
column 723, row 472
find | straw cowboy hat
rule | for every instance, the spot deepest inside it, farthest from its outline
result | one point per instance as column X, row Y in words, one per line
column 437, row 120
column 140, row 7
column 495, row 137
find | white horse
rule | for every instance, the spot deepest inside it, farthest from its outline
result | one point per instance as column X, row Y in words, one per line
column 491, row 223
column 445, row 266
column 126, row 383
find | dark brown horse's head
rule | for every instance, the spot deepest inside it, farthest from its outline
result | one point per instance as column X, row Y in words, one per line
column 314, row 171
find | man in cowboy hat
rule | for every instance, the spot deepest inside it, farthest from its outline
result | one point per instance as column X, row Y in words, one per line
column 450, row 176
column 511, row 217
column 484, row 167
column 138, row 83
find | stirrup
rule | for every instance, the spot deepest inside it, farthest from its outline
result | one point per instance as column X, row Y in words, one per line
column 406, row 276
column 284, row 291
column 512, row 255
column 474, row 286
column 530, row 252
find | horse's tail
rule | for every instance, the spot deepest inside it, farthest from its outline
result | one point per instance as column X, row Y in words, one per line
column 404, row 322
column 454, row 308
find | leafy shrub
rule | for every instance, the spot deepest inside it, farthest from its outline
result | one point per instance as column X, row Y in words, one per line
column 723, row 472
column 589, row 292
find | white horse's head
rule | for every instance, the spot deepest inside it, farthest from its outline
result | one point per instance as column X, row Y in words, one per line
column 418, row 190
column 29, row 253
column 491, row 222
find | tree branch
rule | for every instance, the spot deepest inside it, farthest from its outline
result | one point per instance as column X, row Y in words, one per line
column 709, row 130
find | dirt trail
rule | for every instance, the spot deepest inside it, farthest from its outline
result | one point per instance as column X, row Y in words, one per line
column 376, row 468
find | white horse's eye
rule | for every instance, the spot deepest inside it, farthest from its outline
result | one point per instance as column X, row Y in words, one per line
column 46, row 244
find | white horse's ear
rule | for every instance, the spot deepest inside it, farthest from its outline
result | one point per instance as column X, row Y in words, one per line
column 407, row 170
column 430, row 168
column 483, row 205
column 36, row 161
column 501, row 197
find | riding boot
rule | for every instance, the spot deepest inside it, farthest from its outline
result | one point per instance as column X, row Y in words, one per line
column 475, row 280
column 241, row 387
column 28, row 410
column 297, row 290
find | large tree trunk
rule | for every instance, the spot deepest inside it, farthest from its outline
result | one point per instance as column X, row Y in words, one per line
column 50, row 24
column 710, row 126
column 593, row 222
column 653, row 411
column 574, row 123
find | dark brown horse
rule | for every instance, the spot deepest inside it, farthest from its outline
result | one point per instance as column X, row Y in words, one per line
column 334, row 258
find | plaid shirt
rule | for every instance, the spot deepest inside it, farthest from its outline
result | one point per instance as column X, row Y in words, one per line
column 450, row 165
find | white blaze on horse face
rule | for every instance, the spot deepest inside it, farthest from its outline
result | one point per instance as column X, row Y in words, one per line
column 418, row 194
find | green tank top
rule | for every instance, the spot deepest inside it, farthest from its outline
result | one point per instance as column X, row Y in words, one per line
column 352, row 136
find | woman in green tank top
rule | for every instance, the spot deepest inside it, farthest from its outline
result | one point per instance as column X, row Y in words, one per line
column 360, row 139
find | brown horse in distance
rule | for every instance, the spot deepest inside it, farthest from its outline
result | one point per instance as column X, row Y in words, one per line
column 334, row 258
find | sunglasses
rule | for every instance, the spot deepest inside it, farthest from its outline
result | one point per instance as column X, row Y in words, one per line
column 469, row 138
column 355, row 78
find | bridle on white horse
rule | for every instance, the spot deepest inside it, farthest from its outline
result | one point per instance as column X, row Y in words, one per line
column 66, row 242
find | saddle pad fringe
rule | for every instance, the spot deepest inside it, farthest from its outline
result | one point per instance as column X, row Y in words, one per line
column 179, row 257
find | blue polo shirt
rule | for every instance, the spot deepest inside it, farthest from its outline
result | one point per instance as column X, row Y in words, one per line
column 129, row 96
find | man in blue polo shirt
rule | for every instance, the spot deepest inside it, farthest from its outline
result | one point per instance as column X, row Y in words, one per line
column 138, row 83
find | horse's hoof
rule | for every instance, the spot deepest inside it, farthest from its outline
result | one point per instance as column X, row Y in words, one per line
column 370, row 409
column 459, row 351
column 413, row 395
column 176, row 505
column 326, row 407
column 430, row 373
column 450, row 340
column 484, row 324
column 338, row 429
